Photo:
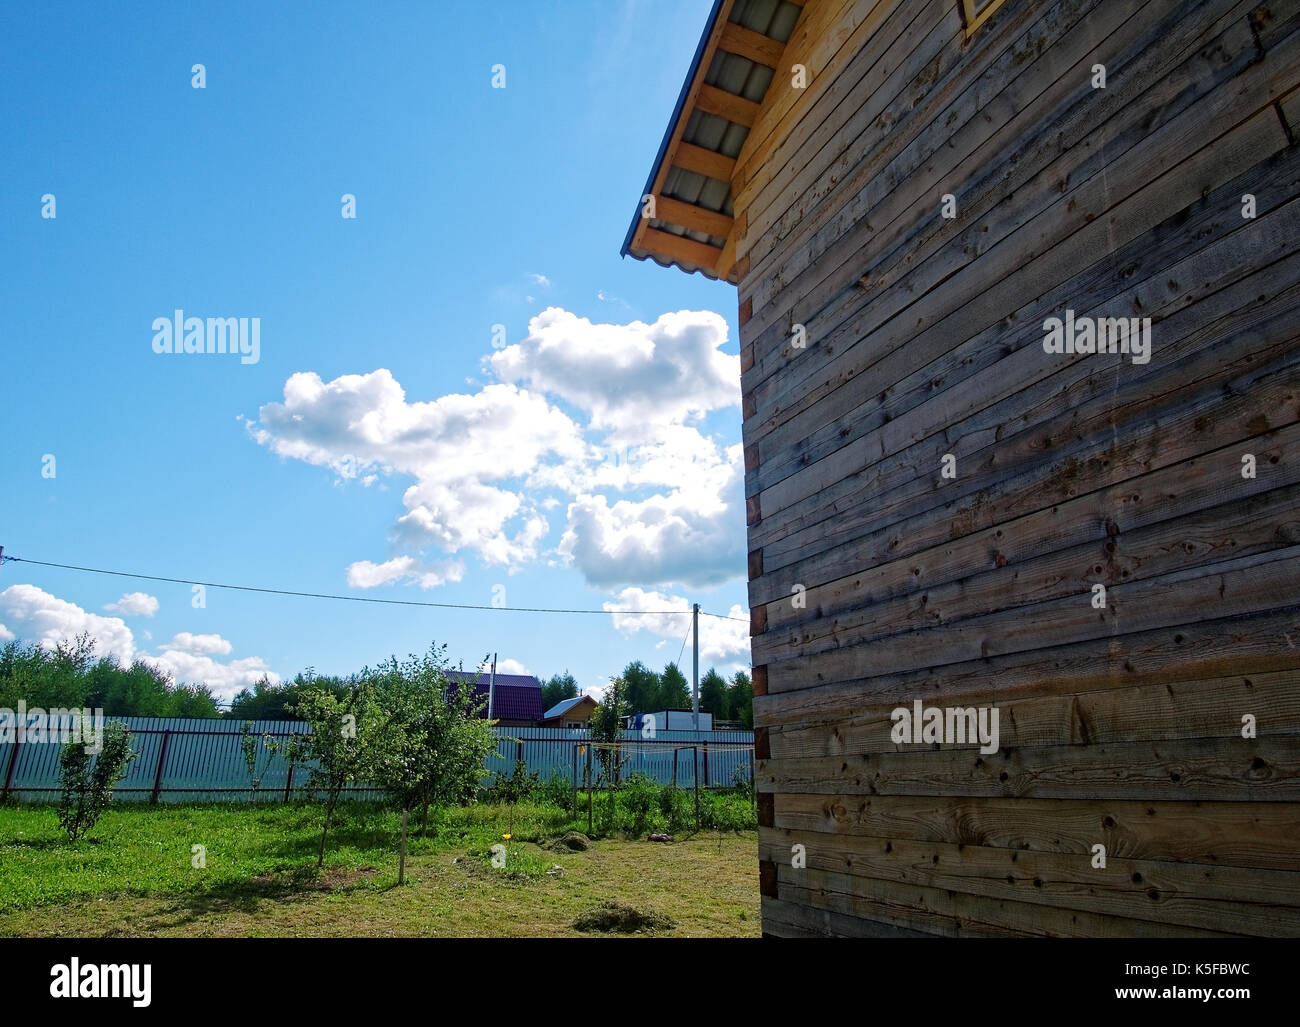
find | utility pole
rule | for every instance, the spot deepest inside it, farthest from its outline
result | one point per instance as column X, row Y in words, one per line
column 695, row 663
column 492, row 685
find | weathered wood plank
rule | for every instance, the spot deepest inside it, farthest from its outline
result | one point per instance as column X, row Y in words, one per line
column 1191, row 895
column 1264, row 835
column 956, row 914
column 1208, row 769
column 1208, row 648
column 987, row 237
column 997, row 364
column 1037, row 117
column 1232, row 588
column 1104, row 517
column 1257, row 524
column 1036, row 258
column 790, row 920
column 1210, row 708
column 872, row 529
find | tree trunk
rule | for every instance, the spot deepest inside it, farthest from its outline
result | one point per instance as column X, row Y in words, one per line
column 329, row 812
column 401, row 860
column 424, row 822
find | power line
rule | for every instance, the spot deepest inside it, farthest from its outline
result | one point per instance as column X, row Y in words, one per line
column 683, row 649
column 353, row 599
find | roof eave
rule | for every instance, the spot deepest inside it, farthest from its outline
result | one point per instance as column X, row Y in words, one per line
column 700, row 49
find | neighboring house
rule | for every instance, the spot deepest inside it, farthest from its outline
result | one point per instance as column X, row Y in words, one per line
column 669, row 720
column 571, row 713
column 1019, row 288
column 516, row 698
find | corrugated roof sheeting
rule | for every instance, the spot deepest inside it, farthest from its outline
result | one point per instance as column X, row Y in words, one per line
column 774, row 18
column 734, row 74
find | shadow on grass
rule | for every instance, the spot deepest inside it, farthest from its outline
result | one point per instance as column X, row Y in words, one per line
column 48, row 843
column 249, row 896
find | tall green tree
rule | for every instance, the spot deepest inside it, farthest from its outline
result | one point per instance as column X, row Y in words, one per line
column 342, row 728
column 607, row 727
column 558, row 688
column 674, row 689
column 714, row 696
column 741, row 698
column 640, row 688
column 278, row 702
column 432, row 743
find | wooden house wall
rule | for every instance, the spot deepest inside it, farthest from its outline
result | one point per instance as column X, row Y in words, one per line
column 1120, row 726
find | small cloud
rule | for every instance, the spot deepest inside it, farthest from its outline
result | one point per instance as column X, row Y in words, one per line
column 199, row 644
column 511, row 666
column 134, row 604
column 541, row 280
column 405, row 569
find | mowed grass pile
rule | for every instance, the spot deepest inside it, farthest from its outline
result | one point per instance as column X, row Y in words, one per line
column 135, row 874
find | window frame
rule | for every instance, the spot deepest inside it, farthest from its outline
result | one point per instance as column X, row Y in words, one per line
column 975, row 16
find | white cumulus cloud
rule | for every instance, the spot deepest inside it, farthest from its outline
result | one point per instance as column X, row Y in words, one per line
column 224, row 679
column 134, row 604
column 720, row 639
column 631, row 377
column 600, row 420
column 29, row 612
column 200, row 644
column 508, row 665
column 364, row 574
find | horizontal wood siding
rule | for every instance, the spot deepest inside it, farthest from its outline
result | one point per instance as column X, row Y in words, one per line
column 882, row 341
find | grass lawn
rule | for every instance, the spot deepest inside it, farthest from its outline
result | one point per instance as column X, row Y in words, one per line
column 134, row 876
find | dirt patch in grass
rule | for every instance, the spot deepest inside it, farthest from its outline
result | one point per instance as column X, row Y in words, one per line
column 308, row 879
column 615, row 916
column 572, row 841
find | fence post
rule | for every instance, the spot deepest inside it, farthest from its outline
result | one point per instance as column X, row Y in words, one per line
column 590, row 790
column 13, row 762
column 575, row 779
column 695, row 761
column 288, row 781
column 675, row 751
column 519, row 751
column 706, row 764
column 162, row 758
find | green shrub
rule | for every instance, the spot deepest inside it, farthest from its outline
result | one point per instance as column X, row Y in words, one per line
column 640, row 800
column 519, row 786
column 742, row 782
column 558, row 791
column 677, row 807
column 87, row 778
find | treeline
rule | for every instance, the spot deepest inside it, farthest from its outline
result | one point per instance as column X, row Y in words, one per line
column 648, row 692
column 71, row 676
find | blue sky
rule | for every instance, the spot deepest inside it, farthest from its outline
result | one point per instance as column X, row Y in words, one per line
column 384, row 443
